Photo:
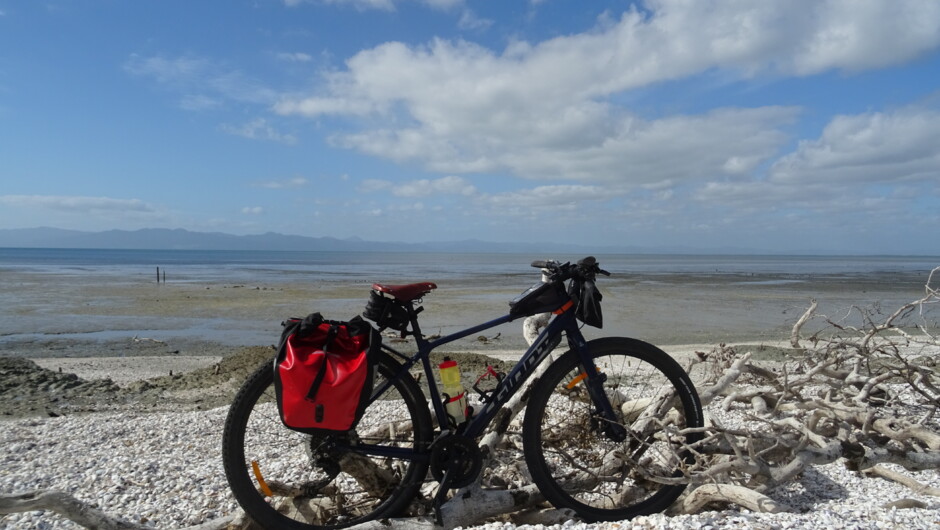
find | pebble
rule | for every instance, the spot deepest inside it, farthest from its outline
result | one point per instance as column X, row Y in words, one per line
column 169, row 475
column 164, row 469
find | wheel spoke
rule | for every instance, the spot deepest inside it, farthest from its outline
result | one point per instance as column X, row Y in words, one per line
column 312, row 481
column 572, row 459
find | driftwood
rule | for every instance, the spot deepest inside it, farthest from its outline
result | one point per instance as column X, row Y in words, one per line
column 866, row 395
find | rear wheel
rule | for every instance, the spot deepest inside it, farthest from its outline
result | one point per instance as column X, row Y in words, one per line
column 286, row 479
column 579, row 462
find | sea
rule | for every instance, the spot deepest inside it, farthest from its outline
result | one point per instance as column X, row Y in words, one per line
column 673, row 299
column 276, row 266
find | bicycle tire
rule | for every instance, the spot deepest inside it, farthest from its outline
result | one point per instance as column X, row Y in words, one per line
column 334, row 490
column 576, row 466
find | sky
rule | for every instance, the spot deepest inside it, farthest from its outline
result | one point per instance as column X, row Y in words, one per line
column 780, row 126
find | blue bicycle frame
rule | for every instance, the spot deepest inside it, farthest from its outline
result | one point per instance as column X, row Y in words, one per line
column 564, row 322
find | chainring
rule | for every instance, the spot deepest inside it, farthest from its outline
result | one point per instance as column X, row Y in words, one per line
column 461, row 456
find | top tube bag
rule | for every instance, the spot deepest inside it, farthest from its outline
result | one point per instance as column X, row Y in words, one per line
column 323, row 373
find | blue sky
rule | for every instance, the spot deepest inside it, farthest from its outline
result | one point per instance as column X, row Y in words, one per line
column 782, row 126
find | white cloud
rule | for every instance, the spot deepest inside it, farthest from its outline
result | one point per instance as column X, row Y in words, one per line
column 876, row 147
column 450, row 185
column 199, row 102
column 634, row 150
column 676, row 40
column 323, row 106
column 861, row 35
column 294, row 57
column 470, row 21
column 199, row 79
column 180, row 70
column 78, row 203
column 252, row 210
column 408, row 207
column 881, row 159
column 374, row 185
column 443, row 4
column 551, row 198
column 295, row 182
column 443, row 186
column 382, row 5
column 258, row 129
column 544, row 110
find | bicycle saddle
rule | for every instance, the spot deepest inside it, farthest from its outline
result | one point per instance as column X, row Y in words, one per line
column 405, row 293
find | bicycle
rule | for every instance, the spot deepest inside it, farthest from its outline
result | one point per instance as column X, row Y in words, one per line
column 606, row 430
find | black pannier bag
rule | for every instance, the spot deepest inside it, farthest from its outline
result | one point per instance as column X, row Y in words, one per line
column 323, row 373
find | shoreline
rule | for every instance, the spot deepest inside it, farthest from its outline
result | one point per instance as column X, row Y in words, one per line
column 123, row 370
column 126, row 370
column 54, row 386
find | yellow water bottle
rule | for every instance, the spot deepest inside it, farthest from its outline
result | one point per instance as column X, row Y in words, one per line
column 456, row 399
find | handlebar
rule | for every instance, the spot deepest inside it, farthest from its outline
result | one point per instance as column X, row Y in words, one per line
column 585, row 269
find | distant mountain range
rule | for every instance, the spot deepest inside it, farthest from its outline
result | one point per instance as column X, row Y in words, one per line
column 179, row 239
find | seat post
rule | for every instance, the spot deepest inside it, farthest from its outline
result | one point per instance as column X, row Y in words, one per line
column 413, row 318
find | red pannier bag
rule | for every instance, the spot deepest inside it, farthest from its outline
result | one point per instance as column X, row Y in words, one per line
column 323, row 373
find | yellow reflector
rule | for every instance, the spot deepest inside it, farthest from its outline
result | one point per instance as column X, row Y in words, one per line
column 261, row 483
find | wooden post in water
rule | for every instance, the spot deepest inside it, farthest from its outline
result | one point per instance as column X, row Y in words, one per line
column 158, row 275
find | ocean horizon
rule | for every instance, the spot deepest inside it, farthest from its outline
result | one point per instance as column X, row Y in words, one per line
column 457, row 261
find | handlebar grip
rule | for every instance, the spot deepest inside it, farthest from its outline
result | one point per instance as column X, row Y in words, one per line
column 564, row 271
column 588, row 262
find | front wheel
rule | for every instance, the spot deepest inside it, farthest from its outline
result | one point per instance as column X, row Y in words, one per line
column 290, row 480
column 580, row 462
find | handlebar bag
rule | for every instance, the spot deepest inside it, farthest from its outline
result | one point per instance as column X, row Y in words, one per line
column 540, row 298
column 323, row 373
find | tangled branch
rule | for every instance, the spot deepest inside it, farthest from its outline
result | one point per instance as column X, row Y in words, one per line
column 867, row 395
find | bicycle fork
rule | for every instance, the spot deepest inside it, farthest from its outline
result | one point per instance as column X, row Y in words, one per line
column 594, row 378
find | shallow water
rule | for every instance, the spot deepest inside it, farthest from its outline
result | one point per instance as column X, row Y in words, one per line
column 240, row 298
